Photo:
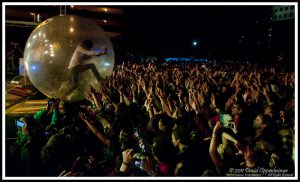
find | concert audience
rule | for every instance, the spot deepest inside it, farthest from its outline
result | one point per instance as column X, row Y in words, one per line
column 217, row 116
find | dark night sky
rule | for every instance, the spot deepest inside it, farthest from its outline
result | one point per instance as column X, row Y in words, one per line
column 171, row 29
column 158, row 30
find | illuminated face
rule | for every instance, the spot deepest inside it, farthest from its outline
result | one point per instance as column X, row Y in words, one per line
column 224, row 89
column 234, row 110
column 258, row 121
column 260, row 145
column 281, row 113
column 123, row 136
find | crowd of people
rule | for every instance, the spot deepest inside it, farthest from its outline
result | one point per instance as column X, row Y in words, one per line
column 166, row 119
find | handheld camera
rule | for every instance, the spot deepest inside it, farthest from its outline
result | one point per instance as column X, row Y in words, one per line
column 138, row 163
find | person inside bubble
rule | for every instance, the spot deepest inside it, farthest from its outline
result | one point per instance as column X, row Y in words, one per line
column 79, row 62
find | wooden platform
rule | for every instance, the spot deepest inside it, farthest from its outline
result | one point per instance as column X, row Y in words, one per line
column 30, row 107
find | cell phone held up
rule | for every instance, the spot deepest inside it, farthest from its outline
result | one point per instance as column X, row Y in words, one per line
column 20, row 123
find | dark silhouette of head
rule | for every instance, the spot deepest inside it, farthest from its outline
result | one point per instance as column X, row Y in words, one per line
column 182, row 134
column 50, row 103
column 163, row 149
column 87, row 44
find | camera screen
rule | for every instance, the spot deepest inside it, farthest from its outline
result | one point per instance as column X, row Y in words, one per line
column 138, row 163
column 47, row 133
column 20, row 123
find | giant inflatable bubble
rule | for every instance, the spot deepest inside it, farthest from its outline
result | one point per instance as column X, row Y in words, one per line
column 50, row 48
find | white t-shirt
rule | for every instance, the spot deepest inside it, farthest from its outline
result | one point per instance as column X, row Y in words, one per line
column 79, row 55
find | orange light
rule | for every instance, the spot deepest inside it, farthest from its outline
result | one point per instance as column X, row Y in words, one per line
column 72, row 6
column 104, row 21
column 105, row 9
column 31, row 13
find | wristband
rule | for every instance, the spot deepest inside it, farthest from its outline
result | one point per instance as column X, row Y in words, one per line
column 126, row 164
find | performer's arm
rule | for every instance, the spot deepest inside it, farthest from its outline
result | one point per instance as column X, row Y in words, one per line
column 87, row 52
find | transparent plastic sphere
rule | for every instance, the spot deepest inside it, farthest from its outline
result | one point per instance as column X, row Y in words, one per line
column 51, row 47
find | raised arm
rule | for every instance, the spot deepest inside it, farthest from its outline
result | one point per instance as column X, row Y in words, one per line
column 216, row 158
column 95, row 99
column 86, row 52
column 99, row 135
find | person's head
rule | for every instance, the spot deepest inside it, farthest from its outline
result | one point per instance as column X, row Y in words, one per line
column 121, row 107
column 163, row 149
column 125, row 138
column 180, row 136
column 87, row 44
column 236, row 109
column 289, row 116
column 56, row 149
column 109, row 112
column 29, row 125
column 136, row 114
column 264, row 146
column 273, row 110
column 50, row 103
column 224, row 89
column 165, row 124
column 66, row 108
column 110, row 108
column 196, row 136
column 262, row 121
column 229, row 155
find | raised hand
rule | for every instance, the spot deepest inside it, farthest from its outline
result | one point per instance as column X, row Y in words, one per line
column 180, row 94
column 83, row 117
column 233, row 127
column 92, row 90
column 245, row 95
column 194, row 106
column 143, row 84
column 133, row 88
column 64, row 173
column 213, row 100
column 89, row 97
column 217, row 127
column 159, row 92
column 120, row 89
column 128, row 156
column 264, row 91
column 147, row 165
